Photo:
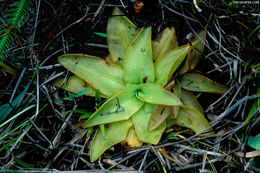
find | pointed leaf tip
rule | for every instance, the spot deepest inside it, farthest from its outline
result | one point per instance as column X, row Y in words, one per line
column 195, row 55
column 190, row 100
column 75, row 84
column 200, row 83
column 158, row 117
column 155, row 94
column 167, row 64
column 115, row 133
column 191, row 118
column 105, row 77
column 138, row 63
column 141, row 119
column 165, row 41
column 120, row 33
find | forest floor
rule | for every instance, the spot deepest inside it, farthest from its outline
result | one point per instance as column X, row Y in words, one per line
column 40, row 135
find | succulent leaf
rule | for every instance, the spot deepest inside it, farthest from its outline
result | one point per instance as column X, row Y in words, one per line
column 159, row 115
column 120, row 106
column 190, row 118
column 75, row 84
column 200, row 83
column 141, row 119
column 120, row 33
column 138, row 64
column 177, row 92
column 138, row 107
column 165, row 41
column 155, row 94
column 132, row 139
column 195, row 56
column 188, row 99
column 115, row 133
column 167, row 64
column 105, row 77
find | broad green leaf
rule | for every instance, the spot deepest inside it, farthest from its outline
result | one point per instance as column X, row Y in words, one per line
column 138, row 64
column 132, row 139
column 254, row 142
column 120, row 106
column 177, row 93
column 165, row 41
column 190, row 118
column 167, row 64
column 188, row 99
column 192, row 60
column 115, row 133
column 200, row 83
column 155, row 94
column 159, row 115
column 141, row 119
column 105, row 77
column 75, row 84
column 120, row 31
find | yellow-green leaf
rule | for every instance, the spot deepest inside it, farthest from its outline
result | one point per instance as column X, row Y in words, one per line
column 165, row 41
column 75, row 84
column 167, row 64
column 105, row 77
column 200, row 83
column 192, row 60
column 132, row 139
column 177, row 93
column 155, row 94
column 115, row 133
column 120, row 106
column 192, row 119
column 138, row 64
column 141, row 119
column 120, row 33
column 188, row 99
column 159, row 115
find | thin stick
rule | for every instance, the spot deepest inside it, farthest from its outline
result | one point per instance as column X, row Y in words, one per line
column 17, row 84
column 145, row 156
column 64, row 125
column 99, row 8
column 40, row 132
column 77, row 21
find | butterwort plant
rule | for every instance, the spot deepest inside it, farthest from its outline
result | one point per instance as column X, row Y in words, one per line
column 147, row 85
